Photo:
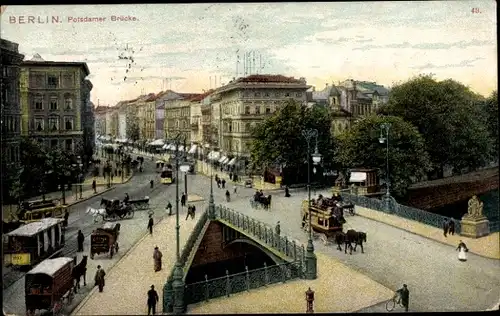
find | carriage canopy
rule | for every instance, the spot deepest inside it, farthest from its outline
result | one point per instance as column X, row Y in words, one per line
column 50, row 266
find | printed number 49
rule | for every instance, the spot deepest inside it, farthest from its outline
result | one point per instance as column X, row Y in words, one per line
column 475, row 10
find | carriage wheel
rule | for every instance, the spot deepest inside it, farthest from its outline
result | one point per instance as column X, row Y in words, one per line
column 111, row 252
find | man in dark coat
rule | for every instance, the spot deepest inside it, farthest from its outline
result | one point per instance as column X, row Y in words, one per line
column 66, row 217
column 445, row 227
column 151, row 183
column 94, row 186
column 99, row 278
column 169, row 208
column 150, row 224
column 80, row 240
column 405, row 296
column 287, row 192
column 451, row 227
column 152, row 300
column 183, row 199
column 223, row 182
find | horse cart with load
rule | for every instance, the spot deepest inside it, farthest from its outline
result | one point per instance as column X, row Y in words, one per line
column 105, row 240
column 49, row 286
column 141, row 204
column 326, row 217
column 115, row 209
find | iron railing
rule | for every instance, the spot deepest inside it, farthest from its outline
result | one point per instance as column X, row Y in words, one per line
column 195, row 234
column 240, row 282
column 390, row 206
column 263, row 233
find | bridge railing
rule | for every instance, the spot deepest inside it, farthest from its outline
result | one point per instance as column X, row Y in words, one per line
column 393, row 207
column 240, row 282
column 195, row 234
column 263, row 233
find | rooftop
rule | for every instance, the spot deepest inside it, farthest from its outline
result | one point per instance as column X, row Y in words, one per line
column 269, row 78
column 50, row 266
column 37, row 60
column 35, row 227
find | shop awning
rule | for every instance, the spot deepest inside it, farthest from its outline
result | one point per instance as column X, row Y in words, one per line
column 181, row 148
column 214, row 155
column 207, row 145
column 225, row 161
column 222, row 159
column 232, row 162
column 357, row 177
column 193, row 149
column 157, row 142
column 165, row 146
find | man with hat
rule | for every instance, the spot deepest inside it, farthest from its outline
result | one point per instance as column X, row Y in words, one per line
column 152, row 300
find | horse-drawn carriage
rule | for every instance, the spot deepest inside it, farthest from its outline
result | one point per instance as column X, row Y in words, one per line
column 141, row 204
column 49, row 286
column 116, row 209
column 327, row 220
column 105, row 240
column 259, row 200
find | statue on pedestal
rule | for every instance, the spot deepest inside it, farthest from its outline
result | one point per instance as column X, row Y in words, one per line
column 475, row 209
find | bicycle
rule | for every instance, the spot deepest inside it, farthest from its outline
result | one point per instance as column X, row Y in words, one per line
column 390, row 305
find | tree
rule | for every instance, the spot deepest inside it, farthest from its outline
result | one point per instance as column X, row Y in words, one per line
column 359, row 147
column 278, row 139
column 491, row 113
column 133, row 131
column 34, row 160
column 447, row 115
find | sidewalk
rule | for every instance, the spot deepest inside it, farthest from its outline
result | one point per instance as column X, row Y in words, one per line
column 338, row 289
column 127, row 283
column 487, row 246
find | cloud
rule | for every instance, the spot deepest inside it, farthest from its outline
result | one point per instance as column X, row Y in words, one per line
column 463, row 63
column 333, row 40
column 427, row 46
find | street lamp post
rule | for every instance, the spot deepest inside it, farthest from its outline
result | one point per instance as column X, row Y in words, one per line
column 384, row 128
column 311, row 260
column 185, row 172
column 178, row 275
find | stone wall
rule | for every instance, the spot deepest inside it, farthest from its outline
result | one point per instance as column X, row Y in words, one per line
column 437, row 196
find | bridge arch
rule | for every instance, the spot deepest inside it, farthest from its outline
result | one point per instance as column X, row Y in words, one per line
column 271, row 255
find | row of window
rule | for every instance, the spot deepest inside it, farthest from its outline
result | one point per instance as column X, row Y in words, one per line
column 51, row 81
column 12, row 153
column 239, row 127
column 38, row 124
column 10, row 124
column 38, row 103
column 235, row 145
column 268, row 94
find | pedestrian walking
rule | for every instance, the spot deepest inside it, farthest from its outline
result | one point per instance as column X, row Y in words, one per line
column 150, row 224
column 462, row 251
column 451, row 227
column 230, row 176
column 190, row 212
column 66, row 217
column 223, row 182
column 80, row 239
column 151, row 183
column 157, row 255
column 218, row 183
column 404, row 296
column 445, row 227
column 99, row 278
column 277, row 229
column 183, row 199
column 235, row 189
column 94, row 186
column 169, row 208
column 228, row 196
column 152, row 300
column 287, row 191
column 216, row 178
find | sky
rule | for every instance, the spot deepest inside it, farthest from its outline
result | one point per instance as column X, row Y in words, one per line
column 184, row 47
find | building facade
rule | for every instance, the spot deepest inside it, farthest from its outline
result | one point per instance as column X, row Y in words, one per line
column 11, row 110
column 178, row 115
column 100, row 120
column 238, row 106
column 53, row 98
column 88, row 121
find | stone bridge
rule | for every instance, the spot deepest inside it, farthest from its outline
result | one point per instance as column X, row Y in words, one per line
column 430, row 195
column 213, row 240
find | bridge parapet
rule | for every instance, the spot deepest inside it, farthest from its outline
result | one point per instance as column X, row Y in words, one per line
column 390, row 206
column 263, row 233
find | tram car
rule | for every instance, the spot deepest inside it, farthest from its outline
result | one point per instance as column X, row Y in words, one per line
column 36, row 210
column 167, row 175
column 49, row 286
column 326, row 217
column 33, row 242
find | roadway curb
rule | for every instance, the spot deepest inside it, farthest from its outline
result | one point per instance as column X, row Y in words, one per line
column 414, row 233
column 88, row 198
column 125, row 255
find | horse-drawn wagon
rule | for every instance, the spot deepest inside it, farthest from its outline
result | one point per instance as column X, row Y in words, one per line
column 49, row 286
column 116, row 209
column 105, row 240
column 260, row 200
column 141, row 204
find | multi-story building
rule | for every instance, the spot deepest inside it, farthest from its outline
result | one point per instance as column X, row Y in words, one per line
column 178, row 115
column 361, row 97
column 10, row 61
column 53, row 97
column 330, row 97
column 112, row 122
column 160, row 114
column 150, row 113
column 11, row 111
column 88, row 119
column 100, row 120
column 122, row 120
column 206, row 122
column 238, row 106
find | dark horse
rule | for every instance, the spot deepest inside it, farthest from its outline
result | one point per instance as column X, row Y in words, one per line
column 80, row 270
column 113, row 207
column 265, row 201
column 340, row 239
column 355, row 237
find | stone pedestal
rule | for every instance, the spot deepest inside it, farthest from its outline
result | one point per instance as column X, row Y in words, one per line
column 475, row 227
